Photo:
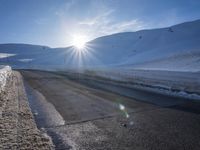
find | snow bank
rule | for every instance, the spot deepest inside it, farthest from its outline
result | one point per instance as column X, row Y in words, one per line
column 182, row 84
column 5, row 72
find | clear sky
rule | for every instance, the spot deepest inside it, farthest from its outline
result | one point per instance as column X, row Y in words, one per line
column 55, row 22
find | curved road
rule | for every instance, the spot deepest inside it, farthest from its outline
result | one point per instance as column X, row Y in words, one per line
column 77, row 116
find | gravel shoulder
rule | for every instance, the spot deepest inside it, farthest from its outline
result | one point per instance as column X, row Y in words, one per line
column 17, row 126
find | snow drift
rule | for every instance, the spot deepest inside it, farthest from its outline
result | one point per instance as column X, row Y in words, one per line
column 5, row 72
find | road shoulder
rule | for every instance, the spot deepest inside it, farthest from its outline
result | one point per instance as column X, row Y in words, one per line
column 17, row 126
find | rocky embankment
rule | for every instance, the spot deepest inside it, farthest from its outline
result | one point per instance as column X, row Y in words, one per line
column 18, row 129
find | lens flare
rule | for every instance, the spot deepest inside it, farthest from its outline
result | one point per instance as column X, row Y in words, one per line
column 121, row 107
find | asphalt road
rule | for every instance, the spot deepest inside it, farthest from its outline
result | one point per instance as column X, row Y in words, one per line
column 80, row 117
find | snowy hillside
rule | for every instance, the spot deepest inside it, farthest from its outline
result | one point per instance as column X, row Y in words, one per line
column 173, row 48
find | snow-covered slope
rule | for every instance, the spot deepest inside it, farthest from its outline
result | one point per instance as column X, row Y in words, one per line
column 29, row 56
column 176, row 47
column 173, row 48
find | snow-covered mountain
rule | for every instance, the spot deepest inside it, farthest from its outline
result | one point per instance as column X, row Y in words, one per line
column 172, row 48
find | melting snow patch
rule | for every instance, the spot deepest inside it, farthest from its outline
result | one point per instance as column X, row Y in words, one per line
column 192, row 96
column 26, row 60
column 5, row 55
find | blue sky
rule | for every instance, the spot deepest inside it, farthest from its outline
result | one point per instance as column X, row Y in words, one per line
column 55, row 22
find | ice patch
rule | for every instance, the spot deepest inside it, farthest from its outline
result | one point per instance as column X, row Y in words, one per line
column 44, row 112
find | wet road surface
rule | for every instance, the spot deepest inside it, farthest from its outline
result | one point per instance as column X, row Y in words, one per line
column 81, row 117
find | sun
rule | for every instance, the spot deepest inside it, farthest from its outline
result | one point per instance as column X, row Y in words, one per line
column 79, row 41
